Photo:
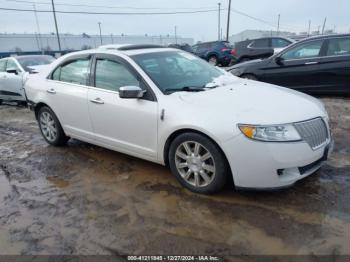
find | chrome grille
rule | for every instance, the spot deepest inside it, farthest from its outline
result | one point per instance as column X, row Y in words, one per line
column 314, row 132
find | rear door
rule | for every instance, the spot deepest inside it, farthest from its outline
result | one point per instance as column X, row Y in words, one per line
column 126, row 125
column 67, row 89
column 299, row 67
column 335, row 66
column 259, row 48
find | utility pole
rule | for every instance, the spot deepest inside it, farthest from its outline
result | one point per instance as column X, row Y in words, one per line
column 324, row 24
column 112, row 38
column 99, row 26
column 308, row 31
column 219, row 18
column 38, row 27
column 175, row 34
column 57, row 34
column 228, row 20
column 278, row 24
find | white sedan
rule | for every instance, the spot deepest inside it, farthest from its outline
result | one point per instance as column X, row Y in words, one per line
column 13, row 74
column 170, row 107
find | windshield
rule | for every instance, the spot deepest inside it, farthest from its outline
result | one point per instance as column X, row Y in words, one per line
column 177, row 71
column 29, row 61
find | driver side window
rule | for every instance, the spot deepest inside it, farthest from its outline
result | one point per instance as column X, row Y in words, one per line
column 12, row 65
column 111, row 75
column 307, row 50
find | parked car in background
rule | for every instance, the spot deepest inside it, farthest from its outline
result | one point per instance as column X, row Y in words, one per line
column 259, row 48
column 13, row 72
column 154, row 103
column 216, row 52
column 184, row 47
column 316, row 65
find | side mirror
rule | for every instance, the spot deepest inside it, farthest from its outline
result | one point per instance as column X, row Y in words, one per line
column 12, row 71
column 131, row 92
column 279, row 60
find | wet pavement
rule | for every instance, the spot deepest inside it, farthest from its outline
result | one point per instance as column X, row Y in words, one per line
column 83, row 199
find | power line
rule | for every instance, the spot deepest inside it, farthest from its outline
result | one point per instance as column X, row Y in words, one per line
column 106, row 6
column 110, row 13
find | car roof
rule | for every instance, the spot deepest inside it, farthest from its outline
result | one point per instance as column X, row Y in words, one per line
column 122, row 51
column 210, row 42
column 125, row 47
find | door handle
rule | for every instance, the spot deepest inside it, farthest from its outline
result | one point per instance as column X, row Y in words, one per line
column 51, row 91
column 97, row 101
column 311, row 63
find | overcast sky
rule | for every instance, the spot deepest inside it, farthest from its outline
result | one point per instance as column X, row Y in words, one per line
column 295, row 15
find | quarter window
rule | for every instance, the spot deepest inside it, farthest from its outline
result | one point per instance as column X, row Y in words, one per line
column 338, row 46
column 111, row 75
column 307, row 50
column 75, row 72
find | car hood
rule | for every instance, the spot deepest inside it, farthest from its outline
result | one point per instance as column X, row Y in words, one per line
column 253, row 102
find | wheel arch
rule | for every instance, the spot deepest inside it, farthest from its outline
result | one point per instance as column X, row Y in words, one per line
column 178, row 132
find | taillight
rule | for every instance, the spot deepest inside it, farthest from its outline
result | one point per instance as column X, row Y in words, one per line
column 233, row 51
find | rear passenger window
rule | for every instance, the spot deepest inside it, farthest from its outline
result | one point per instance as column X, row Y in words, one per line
column 75, row 72
column 111, row 75
column 260, row 43
column 339, row 46
column 2, row 66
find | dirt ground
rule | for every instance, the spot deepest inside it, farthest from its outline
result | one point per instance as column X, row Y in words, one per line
column 83, row 199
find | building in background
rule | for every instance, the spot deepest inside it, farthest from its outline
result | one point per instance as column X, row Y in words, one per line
column 48, row 42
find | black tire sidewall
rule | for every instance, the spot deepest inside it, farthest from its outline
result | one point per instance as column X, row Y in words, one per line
column 61, row 138
column 221, row 165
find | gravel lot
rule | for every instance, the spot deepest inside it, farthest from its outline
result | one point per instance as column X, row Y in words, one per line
column 83, row 199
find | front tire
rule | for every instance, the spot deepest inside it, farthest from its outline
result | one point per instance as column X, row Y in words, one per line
column 198, row 163
column 51, row 128
column 0, row 102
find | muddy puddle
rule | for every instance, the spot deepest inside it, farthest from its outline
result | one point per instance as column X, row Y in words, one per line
column 83, row 199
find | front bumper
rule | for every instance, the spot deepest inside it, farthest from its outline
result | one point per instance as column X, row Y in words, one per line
column 269, row 165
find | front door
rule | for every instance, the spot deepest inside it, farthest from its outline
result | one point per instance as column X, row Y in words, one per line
column 126, row 125
column 12, row 81
column 298, row 67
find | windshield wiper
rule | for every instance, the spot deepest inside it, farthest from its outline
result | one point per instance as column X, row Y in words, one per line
column 185, row 88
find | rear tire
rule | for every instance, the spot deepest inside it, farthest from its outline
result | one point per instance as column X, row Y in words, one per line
column 0, row 102
column 51, row 128
column 198, row 163
column 250, row 77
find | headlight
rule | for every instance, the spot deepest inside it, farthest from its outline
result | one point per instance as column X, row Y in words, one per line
column 273, row 133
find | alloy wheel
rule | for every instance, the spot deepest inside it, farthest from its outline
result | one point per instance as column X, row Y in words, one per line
column 48, row 126
column 195, row 164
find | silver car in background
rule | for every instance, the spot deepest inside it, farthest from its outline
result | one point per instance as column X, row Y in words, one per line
column 13, row 72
